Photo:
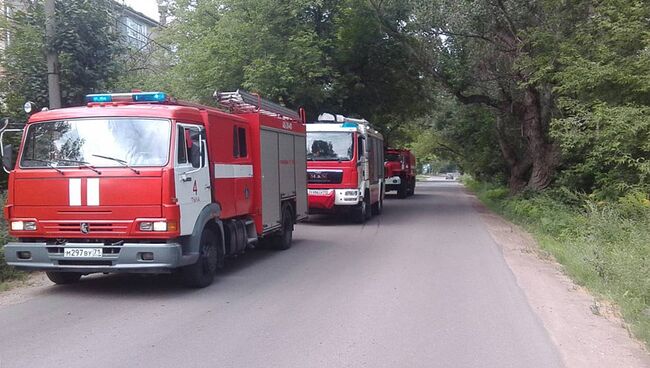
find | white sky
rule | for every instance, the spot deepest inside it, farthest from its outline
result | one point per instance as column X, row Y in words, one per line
column 146, row 7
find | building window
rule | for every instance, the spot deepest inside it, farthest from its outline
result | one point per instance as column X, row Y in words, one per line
column 136, row 33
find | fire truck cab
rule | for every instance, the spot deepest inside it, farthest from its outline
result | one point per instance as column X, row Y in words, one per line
column 345, row 167
column 142, row 183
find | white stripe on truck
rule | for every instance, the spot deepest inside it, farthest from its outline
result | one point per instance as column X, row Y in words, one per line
column 74, row 192
column 225, row 171
column 92, row 192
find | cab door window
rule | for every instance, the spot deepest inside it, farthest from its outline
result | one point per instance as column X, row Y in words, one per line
column 189, row 146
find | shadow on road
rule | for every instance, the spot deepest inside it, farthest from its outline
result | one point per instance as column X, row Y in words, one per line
column 143, row 285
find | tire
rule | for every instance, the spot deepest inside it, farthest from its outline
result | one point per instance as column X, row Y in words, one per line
column 201, row 274
column 63, row 278
column 283, row 240
column 360, row 212
column 379, row 206
column 369, row 211
column 411, row 188
column 401, row 191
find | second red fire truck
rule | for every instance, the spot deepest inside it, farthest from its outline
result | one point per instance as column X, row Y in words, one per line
column 345, row 167
column 142, row 183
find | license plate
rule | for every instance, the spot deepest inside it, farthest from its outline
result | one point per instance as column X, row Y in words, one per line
column 83, row 252
column 321, row 192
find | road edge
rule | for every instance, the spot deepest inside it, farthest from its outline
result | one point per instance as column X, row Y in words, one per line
column 587, row 331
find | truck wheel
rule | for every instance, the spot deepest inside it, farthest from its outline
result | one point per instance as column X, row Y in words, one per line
column 379, row 206
column 283, row 240
column 369, row 211
column 360, row 212
column 401, row 191
column 201, row 274
column 62, row 278
column 412, row 189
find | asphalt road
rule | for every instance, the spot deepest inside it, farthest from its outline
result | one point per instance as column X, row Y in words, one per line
column 422, row 285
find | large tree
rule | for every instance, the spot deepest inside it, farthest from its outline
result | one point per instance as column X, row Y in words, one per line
column 324, row 55
column 87, row 43
column 473, row 49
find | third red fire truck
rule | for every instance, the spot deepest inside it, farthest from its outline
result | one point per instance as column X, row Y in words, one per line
column 400, row 172
column 142, row 183
column 345, row 167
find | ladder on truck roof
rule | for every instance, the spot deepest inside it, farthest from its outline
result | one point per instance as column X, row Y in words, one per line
column 245, row 102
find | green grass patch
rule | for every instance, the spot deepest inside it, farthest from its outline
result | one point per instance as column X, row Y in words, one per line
column 604, row 246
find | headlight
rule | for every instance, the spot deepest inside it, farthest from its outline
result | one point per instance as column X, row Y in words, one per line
column 146, row 226
column 23, row 225
column 157, row 226
column 351, row 193
column 160, row 226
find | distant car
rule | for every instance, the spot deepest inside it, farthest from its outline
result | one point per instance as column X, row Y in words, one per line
column 449, row 176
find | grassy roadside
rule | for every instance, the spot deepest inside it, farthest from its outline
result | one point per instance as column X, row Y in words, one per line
column 604, row 246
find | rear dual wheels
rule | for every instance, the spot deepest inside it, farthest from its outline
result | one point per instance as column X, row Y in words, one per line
column 201, row 274
column 283, row 240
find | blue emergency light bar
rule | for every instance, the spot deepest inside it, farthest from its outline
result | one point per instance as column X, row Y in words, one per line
column 135, row 97
column 349, row 124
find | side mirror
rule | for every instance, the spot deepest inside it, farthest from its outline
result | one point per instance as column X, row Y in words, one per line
column 7, row 150
column 7, row 158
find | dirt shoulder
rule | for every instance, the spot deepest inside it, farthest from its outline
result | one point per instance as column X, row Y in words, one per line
column 588, row 332
column 19, row 291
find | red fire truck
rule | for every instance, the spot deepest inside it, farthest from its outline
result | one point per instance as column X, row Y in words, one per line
column 142, row 183
column 400, row 172
column 345, row 167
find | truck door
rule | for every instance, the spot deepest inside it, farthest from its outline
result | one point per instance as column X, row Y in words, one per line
column 362, row 161
column 243, row 170
column 191, row 174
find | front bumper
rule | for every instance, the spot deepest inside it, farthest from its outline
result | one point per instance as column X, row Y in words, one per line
column 394, row 180
column 327, row 199
column 126, row 258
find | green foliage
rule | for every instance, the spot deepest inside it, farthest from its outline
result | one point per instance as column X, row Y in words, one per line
column 88, row 48
column 327, row 55
column 599, row 65
column 603, row 245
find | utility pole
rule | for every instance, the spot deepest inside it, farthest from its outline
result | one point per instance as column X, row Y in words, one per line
column 53, row 85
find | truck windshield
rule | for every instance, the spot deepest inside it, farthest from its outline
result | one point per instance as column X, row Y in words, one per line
column 393, row 157
column 330, row 146
column 97, row 142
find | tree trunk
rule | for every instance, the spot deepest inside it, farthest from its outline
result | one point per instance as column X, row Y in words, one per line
column 518, row 167
column 541, row 152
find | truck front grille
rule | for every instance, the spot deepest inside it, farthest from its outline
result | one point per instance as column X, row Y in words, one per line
column 324, row 177
column 93, row 228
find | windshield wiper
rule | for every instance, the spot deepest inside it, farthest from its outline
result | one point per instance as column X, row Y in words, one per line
column 83, row 164
column 122, row 162
column 49, row 164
